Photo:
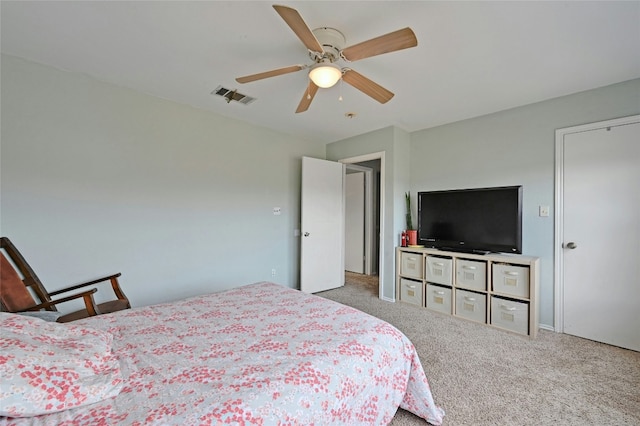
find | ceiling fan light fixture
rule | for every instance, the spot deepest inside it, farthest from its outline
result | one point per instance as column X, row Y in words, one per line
column 325, row 74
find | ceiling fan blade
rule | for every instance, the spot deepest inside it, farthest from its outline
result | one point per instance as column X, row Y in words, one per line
column 297, row 24
column 397, row 40
column 272, row 73
column 308, row 97
column 367, row 86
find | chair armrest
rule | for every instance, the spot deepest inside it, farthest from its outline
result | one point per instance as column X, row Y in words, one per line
column 75, row 287
column 87, row 295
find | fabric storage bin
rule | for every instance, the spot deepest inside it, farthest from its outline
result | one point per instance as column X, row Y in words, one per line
column 510, row 314
column 471, row 274
column 411, row 291
column 511, row 280
column 411, row 264
column 439, row 270
column 471, row 305
column 438, row 298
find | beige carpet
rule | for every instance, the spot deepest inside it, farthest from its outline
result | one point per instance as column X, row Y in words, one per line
column 483, row 376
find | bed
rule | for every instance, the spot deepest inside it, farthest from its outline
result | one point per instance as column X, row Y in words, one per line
column 257, row 354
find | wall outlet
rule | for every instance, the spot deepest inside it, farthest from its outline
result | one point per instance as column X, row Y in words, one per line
column 543, row 211
column 277, row 211
column 273, row 272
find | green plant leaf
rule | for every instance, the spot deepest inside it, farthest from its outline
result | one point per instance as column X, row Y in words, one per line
column 407, row 196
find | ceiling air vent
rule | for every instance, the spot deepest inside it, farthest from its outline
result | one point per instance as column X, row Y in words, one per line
column 232, row 95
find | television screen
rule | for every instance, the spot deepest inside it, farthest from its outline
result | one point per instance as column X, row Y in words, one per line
column 473, row 220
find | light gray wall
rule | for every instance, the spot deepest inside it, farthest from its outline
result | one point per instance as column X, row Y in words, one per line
column 516, row 147
column 394, row 143
column 98, row 179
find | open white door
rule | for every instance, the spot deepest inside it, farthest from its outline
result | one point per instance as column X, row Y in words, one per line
column 322, row 230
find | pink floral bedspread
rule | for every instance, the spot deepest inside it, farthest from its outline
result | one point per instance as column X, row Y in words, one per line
column 262, row 354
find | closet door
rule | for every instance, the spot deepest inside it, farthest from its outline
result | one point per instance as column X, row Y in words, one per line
column 354, row 222
column 601, row 233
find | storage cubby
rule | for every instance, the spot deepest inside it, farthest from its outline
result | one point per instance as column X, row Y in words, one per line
column 411, row 291
column 499, row 290
column 411, row 265
column 438, row 298
column 439, row 269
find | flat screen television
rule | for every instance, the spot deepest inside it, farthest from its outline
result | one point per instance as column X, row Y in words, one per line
column 472, row 220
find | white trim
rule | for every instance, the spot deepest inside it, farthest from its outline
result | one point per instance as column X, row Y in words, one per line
column 381, row 248
column 558, row 274
column 558, row 321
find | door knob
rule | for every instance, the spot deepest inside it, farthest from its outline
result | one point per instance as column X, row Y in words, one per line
column 306, row 234
column 571, row 245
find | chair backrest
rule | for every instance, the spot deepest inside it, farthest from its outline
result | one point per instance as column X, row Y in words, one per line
column 13, row 293
column 14, row 297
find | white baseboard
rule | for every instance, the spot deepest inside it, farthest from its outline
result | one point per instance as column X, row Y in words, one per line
column 546, row 327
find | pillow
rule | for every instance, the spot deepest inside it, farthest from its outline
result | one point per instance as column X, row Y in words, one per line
column 43, row 315
column 48, row 367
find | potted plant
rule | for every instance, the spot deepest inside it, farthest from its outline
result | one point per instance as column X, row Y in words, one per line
column 412, row 234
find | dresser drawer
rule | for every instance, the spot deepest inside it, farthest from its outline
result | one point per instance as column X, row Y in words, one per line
column 411, row 291
column 411, row 265
column 438, row 298
column 510, row 314
column 511, row 280
column 471, row 274
column 439, row 270
column 471, row 305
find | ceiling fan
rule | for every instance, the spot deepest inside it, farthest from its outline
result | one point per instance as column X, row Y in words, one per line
column 326, row 46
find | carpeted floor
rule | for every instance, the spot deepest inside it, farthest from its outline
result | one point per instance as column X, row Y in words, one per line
column 483, row 376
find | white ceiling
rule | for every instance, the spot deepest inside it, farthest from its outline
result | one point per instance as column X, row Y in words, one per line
column 472, row 58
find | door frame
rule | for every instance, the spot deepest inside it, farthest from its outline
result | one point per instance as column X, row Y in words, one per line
column 368, row 212
column 381, row 202
column 559, row 209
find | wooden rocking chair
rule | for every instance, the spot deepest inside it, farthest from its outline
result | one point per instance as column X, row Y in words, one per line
column 17, row 279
